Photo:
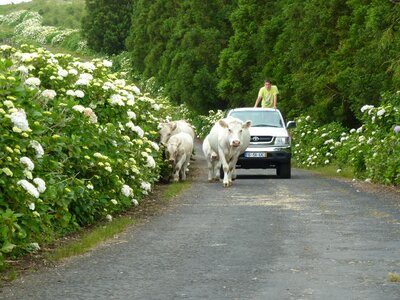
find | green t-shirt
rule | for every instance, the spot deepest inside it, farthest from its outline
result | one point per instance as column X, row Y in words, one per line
column 267, row 96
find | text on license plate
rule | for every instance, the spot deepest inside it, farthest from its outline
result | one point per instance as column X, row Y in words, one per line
column 255, row 154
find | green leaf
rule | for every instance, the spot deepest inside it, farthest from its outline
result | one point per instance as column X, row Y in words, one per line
column 7, row 247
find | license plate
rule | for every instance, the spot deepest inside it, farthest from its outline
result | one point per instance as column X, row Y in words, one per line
column 255, row 154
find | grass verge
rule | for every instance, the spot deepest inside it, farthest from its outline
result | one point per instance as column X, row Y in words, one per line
column 332, row 171
column 92, row 238
column 175, row 188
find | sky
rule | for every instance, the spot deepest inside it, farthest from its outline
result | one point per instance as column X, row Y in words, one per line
column 3, row 2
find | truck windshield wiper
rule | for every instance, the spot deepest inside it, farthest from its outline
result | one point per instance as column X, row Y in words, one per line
column 265, row 125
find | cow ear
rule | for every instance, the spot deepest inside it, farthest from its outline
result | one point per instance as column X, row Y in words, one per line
column 247, row 124
column 173, row 126
column 223, row 123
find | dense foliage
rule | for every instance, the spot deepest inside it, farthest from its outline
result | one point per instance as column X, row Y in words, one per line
column 371, row 151
column 328, row 58
column 77, row 144
column 178, row 42
column 107, row 25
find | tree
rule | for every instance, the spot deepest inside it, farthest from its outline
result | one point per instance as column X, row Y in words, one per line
column 107, row 25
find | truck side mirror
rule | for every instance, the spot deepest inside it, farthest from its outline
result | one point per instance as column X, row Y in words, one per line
column 291, row 124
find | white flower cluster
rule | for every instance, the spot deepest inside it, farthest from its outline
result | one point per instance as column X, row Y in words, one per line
column 19, row 119
column 87, row 112
column 49, row 94
column 33, row 190
column 76, row 93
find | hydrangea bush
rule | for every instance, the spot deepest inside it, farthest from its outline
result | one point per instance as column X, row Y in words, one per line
column 28, row 26
column 370, row 151
column 77, row 144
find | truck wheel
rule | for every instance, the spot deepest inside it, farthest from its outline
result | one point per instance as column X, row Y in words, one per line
column 284, row 170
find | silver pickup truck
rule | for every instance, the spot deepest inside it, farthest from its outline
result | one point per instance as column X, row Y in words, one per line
column 270, row 142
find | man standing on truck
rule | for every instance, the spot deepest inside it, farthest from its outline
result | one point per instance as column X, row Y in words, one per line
column 268, row 95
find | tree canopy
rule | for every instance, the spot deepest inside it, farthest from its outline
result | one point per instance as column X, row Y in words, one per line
column 328, row 58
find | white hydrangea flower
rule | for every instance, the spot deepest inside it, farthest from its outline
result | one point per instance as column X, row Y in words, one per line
column 109, row 218
column 31, row 206
column 61, row 72
column 366, row 107
column 79, row 94
column 79, row 108
column 155, row 146
column 82, row 82
column 23, row 69
column 107, row 63
column 381, row 112
column 32, row 82
column 117, row 100
column 126, row 190
column 50, row 94
column 41, row 184
column 19, row 119
column 145, row 186
column 27, row 162
column 108, row 86
column 138, row 130
column 135, row 202
column 113, row 201
column 136, row 90
column 70, row 93
column 151, row 162
column 131, row 115
column 88, row 112
column 29, row 187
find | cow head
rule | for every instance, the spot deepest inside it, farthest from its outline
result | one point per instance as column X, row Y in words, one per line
column 234, row 129
column 166, row 130
column 172, row 151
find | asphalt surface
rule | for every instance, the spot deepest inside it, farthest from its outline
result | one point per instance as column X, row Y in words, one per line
column 263, row 238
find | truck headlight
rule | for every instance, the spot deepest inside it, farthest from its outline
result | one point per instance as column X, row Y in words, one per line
column 282, row 141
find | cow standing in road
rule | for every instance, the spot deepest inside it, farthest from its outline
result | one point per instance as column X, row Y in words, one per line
column 212, row 159
column 178, row 150
column 229, row 138
column 169, row 129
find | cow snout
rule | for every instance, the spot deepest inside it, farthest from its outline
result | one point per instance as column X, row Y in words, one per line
column 236, row 143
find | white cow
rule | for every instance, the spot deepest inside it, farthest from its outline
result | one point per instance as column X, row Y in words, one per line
column 179, row 149
column 212, row 159
column 229, row 138
column 169, row 129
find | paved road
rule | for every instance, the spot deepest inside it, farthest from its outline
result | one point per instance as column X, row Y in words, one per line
column 264, row 238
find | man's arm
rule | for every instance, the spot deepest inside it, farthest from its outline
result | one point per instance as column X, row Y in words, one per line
column 275, row 100
column 257, row 101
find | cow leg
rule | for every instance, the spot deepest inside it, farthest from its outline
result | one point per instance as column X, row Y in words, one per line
column 185, row 164
column 216, row 173
column 211, row 166
column 225, row 167
column 232, row 168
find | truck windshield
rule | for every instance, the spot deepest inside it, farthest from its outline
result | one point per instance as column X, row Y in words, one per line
column 260, row 118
